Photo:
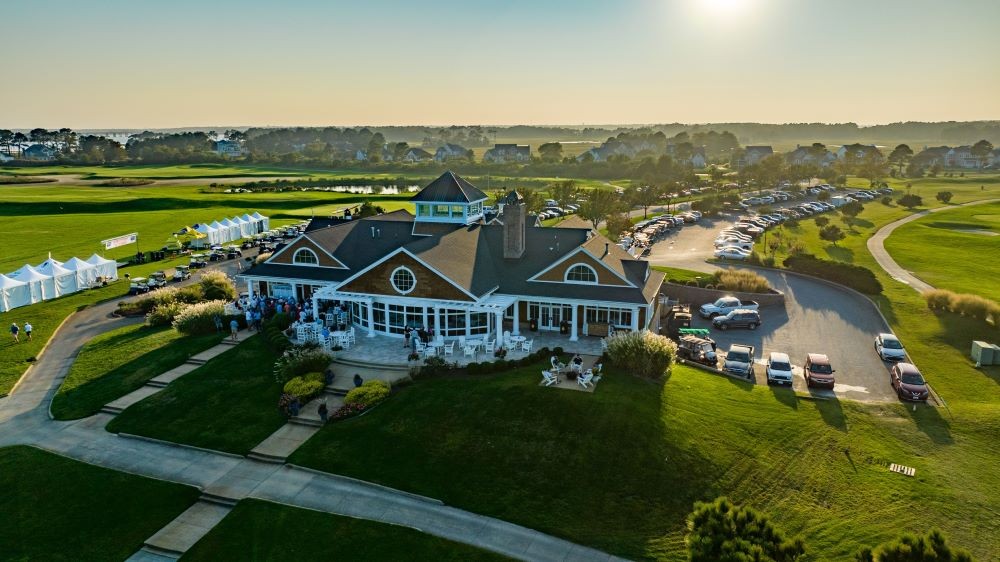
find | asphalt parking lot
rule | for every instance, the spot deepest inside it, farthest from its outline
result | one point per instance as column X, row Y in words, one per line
column 816, row 318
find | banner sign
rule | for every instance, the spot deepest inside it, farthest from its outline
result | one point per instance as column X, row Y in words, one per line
column 120, row 241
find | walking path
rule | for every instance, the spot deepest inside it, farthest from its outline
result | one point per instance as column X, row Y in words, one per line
column 225, row 478
column 876, row 245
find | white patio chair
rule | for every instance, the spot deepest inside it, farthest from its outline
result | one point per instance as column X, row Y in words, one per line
column 596, row 370
column 470, row 351
column 506, row 339
column 585, row 380
column 439, row 339
column 549, row 378
column 419, row 346
column 490, row 346
column 604, row 344
column 557, row 365
column 461, row 341
column 429, row 351
column 449, row 349
column 526, row 346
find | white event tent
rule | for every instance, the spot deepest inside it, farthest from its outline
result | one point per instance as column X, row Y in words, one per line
column 246, row 229
column 232, row 229
column 107, row 269
column 211, row 235
column 86, row 274
column 263, row 223
column 63, row 280
column 13, row 293
column 40, row 285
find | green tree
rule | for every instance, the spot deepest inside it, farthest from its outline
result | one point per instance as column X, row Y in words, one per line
column 982, row 149
column 910, row 201
column 872, row 168
column 563, row 192
column 599, row 204
column 832, row 233
column 900, row 156
column 821, row 221
column 533, row 200
column 850, row 211
column 618, row 223
column 909, row 548
column 551, row 151
column 944, row 196
column 643, row 196
column 722, row 532
column 716, row 173
column 823, row 196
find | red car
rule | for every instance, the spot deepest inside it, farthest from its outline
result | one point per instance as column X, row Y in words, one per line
column 908, row 383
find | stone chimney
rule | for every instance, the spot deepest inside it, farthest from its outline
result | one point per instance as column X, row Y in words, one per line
column 514, row 221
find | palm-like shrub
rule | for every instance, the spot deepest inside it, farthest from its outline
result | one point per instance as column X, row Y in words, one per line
column 641, row 353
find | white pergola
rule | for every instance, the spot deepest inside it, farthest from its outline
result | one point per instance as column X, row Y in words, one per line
column 495, row 305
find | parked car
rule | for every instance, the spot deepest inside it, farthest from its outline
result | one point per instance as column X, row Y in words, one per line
column 818, row 371
column 779, row 368
column 736, row 244
column 908, row 383
column 889, row 348
column 732, row 254
column 725, row 305
column 739, row 360
column 182, row 272
column 737, row 319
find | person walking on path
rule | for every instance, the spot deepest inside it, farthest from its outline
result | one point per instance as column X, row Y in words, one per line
column 27, row 330
column 14, row 331
column 234, row 327
column 323, row 412
column 218, row 322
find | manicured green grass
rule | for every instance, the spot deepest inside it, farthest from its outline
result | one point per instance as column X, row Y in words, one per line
column 228, row 404
column 620, row 468
column 118, row 362
column 60, row 509
column 952, row 249
column 158, row 171
column 46, row 316
column 681, row 275
column 260, row 530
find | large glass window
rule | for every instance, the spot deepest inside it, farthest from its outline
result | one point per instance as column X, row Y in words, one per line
column 305, row 256
column 479, row 323
column 359, row 314
column 581, row 273
column 401, row 317
column 403, row 280
column 617, row 317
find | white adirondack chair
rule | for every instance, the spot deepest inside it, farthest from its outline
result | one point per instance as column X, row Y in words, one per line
column 449, row 349
column 549, row 379
column 585, row 380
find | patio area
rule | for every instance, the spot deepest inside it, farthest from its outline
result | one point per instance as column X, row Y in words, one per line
column 386, row 350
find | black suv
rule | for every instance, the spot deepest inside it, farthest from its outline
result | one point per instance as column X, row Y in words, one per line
column 738, row 318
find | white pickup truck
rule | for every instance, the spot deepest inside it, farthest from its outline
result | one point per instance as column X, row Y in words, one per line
column 725, row 305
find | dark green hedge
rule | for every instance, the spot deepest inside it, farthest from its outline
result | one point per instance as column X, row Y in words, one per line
column 854, row 276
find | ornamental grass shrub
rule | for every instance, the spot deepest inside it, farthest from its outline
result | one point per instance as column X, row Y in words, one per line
column 164, row 314
column 199, row 318
column 972, row 306
column 641, row 353
column 305, row 387
column 299, row 360
column 742, row 280
column 215, row 285
column 371, row 392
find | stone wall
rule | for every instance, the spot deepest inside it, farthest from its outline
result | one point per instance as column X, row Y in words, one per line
column 696, row 296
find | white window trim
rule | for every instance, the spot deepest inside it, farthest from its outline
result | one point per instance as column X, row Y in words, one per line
column 315, row 257
column 392, row 279
column 566, row 278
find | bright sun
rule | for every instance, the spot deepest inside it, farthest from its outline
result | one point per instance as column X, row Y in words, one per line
column 725, row 6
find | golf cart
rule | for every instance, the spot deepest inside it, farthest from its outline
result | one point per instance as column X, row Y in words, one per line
column 697, row 349
column 678, row 317
column 233, row 252
column 138, row 286
column 197, row 261
column 156, row 280
column 182, row 272
column 216, row 255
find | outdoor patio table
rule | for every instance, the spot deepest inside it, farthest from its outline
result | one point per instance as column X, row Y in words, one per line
column 474, row 343
column 518, row 339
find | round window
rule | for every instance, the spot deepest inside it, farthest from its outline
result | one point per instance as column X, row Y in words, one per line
column 403, row 280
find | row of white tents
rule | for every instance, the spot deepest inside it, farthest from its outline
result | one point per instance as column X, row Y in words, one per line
column 229, row 230
column 52, row 279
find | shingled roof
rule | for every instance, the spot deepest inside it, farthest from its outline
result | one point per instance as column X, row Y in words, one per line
column 449, row 188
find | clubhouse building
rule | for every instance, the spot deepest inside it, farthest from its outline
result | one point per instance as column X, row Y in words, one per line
column 460, row 270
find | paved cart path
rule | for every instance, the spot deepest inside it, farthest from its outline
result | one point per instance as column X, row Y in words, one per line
column 876, row 245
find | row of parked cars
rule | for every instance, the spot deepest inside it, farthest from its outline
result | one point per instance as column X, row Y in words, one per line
column 736, row 242
column 646, row 233
column 553, row 210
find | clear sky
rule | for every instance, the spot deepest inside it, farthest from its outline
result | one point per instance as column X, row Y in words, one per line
column 153, row 63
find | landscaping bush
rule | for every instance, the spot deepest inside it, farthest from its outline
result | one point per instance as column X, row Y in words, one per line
column 347, row 411
column 741, row 280
column 261, row 258
column 200, row 318
column 368, row 394
column 938, row 299
column 281, row 321
column 216, row 286
column 299, row 360
column 164, row 314
column 306, row 387
column 972, row 306
column 641, row 353
column 854, row 276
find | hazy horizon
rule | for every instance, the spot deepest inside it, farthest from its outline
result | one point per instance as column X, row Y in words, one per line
column 134, row 65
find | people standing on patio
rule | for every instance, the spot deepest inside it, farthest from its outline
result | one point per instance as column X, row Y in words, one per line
column 323, row 412
column 406, row 337
column 234, row 327
column 218, row 322
column 27, row 330
column 358, row 381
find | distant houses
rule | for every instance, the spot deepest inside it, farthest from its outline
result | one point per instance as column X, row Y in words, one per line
column 39, row 152
column 228, row 148
column 502, row 153
column 857, row 152
column 635, row 148
column 452, row 152
column 752, row 155
column 414, row 155
column 958, row 157
column 811, row 155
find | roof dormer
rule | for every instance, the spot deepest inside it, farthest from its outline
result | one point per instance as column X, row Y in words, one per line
column 449, row 199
